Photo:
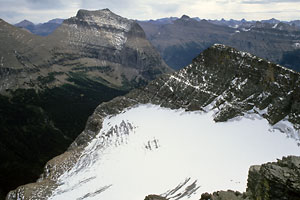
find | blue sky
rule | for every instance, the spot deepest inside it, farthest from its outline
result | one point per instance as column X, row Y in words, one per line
column 38, row 11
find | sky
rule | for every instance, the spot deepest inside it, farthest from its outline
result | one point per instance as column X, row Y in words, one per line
column 39, row 11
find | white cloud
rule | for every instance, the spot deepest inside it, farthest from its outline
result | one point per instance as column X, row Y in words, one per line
column 268, row 1
column 44, row 10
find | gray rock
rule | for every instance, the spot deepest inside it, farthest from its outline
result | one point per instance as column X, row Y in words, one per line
column 276, row 180
column 271, row 181
column 223, row 195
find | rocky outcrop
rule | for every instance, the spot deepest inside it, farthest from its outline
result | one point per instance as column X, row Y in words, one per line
column 154, row 197
column 275, row 180
column 223, row 195
column 230, row 82
column 271, row 181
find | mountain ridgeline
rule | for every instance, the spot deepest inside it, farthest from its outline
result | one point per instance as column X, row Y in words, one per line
column 180, row 40
column 50, row 85
column 230, row 82
column 42, row 29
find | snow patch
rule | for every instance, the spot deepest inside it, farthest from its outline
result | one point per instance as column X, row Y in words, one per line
column 152, row 150
column 182, row 79
column 296, row 45
column 246, row 30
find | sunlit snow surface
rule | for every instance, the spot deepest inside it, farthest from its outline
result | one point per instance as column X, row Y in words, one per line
column 152, row 150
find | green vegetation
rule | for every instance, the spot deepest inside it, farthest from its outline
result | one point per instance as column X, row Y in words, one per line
column 34, row 127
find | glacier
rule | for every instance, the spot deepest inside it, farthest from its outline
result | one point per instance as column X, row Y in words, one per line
column 148, row 149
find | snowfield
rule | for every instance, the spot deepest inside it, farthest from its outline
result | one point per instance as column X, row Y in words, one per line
column 148, row 149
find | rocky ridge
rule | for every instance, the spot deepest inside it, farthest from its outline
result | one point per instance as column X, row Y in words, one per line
column 230, row 82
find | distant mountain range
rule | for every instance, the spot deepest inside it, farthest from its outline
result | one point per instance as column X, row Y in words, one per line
column 230, row 23
column 271, row 39
column 180, row 40
column 42, row 29
column 47, row 28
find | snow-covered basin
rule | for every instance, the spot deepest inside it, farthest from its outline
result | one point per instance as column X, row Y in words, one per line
column 160, row 148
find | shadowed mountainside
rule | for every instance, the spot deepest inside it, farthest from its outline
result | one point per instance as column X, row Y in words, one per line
column 50, row 85
column 183, row 39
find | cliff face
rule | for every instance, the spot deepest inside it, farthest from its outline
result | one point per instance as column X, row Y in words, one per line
column 231, row 83
column 276, row 180
column 117, row 46
column 273, row 180
column 50, row 85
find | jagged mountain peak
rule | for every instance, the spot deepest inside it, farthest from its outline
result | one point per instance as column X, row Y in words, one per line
column 185, row 20
column 82, row 13
column 101, row 18
column 24, row 23
column 2, row 21
column 230, row 50
column 245, row 55
column 271, row 21
column 185, row 17
column 237, row 55
column 234, row 83
column 56, row 21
